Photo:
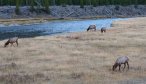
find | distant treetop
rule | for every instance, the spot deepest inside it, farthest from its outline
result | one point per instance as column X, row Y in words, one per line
column 73, row 2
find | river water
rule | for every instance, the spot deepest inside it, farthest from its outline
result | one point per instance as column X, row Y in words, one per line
column 52, row 27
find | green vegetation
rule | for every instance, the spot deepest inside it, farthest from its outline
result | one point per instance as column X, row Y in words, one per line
column 81, row 4
column 32, row 5
column 46, row 4
column 75, row 2
column 17, row 7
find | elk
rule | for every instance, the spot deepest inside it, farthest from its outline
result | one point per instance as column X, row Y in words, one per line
column 11, row 41
column 91, row 27
column 121, row 60
column 103, row 29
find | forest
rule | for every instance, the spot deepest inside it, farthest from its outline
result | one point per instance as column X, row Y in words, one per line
column 72, row 2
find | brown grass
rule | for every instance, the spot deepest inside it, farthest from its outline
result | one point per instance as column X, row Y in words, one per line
column 77, row 58
column 26, row 20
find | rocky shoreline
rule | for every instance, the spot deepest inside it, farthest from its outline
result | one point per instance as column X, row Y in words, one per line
column 8, row 12
column 8, row 16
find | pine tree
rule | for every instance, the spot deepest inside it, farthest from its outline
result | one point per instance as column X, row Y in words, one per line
column 17, row 10
column 32, row 5
column 46, row 3
column 136, row 2
column 144, row 2
column 57, row 2
column 54, row 2
column 94, row 3
column 63, row 3
column 107, row 2
column 70, row 2
column 81, row 4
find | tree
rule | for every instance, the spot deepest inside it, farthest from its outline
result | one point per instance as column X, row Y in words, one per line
column 1, row 2
column 144, row 2
column 63, row 3
column 73, row 2
column 93, row 2
column 89, row 2
column 17, row 10
column 46, row 3
column 136, row 2
column 70, row 2
column 32, row 5
column 81, row 4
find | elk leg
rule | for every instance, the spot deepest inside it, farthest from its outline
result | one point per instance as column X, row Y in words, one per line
column 11, row 44
column 128, row 65
column 124, row 66
column 119, row 67
column 17, row 42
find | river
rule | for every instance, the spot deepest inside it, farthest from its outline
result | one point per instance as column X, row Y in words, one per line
column 53, row 27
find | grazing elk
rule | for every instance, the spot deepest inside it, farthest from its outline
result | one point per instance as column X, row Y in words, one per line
column 103, row 29
column 121, row 60
column 91, row 27
column 11, row 41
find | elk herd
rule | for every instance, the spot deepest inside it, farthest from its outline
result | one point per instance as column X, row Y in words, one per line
column 121, row 60
column 93, row 28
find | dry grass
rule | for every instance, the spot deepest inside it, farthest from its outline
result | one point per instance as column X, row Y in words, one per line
column 77, row 58
column 26, row 20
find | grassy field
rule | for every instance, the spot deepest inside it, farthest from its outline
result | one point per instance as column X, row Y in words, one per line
column 78, row 58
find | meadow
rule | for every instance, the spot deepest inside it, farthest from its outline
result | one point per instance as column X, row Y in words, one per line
column 78, row 58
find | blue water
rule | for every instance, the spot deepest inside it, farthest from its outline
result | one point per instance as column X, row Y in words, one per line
column 52, row 27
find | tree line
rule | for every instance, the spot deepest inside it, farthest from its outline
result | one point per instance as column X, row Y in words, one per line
column 47, row 3
column 75, row 2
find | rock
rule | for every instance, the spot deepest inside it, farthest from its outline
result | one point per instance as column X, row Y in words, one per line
column 76, row 11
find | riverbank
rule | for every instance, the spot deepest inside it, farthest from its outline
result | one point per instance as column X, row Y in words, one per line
column 53, row 27
column 27, row 21
column 69, row 12
column 77, row 58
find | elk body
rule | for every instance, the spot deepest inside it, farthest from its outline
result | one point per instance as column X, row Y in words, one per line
column 121, row 60
column 103, row 29
column 91, row 27
column 11, row 41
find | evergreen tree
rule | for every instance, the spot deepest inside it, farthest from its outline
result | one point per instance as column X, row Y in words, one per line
column 54, row 2
column 144, row 2
column 32, row 5
column 136, row 2
column 74, row 2
column 94, row 3
column 46, row 3
column 107, row 2
column 70, row 2
column 17, row 10
column 63, row 3
column 81, row 4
